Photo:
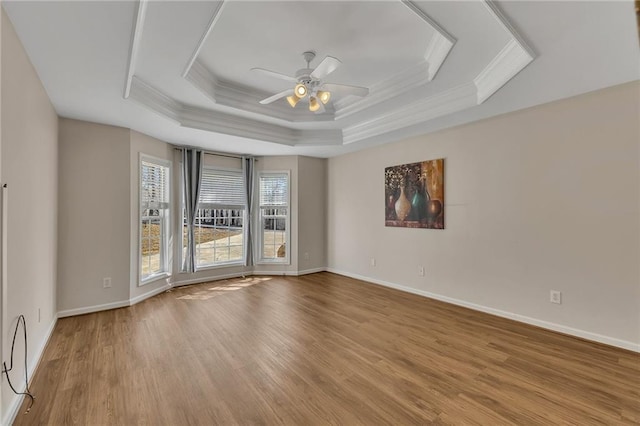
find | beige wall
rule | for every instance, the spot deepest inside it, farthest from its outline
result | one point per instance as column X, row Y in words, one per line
column 312, row 229
column 29, row 167
column 95, row 213
column 540, row 199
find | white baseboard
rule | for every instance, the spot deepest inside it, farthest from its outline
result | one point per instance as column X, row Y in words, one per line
column 228, row 276
column 216, row 278
column 16, row 402
column 149, row 294
column 138, row 299
column 497, row 312
column 91, row 309
column 276, row 273
column 290, row 273
column 311, row 271
column 112, row 305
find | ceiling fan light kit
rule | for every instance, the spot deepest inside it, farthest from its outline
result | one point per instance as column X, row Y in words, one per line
column 324, row 96
column 293, row 100
column 300, row 90
column 313, row 104
column 310, row 82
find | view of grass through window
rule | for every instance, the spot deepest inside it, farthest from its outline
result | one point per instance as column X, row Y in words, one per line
column 154, row 212
column 203, row 235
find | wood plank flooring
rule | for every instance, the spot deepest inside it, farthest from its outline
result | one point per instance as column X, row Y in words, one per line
column 322, row 349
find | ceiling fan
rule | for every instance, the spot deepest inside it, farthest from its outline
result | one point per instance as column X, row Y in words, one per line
column 310, row 82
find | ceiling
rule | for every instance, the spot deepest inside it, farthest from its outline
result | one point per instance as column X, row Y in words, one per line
column 181, row 70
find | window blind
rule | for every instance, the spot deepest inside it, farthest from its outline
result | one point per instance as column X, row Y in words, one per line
column 222, row 189
column 274, row 190
column 154, row 186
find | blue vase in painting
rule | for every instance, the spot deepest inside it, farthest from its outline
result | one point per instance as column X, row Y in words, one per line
column 419, row 205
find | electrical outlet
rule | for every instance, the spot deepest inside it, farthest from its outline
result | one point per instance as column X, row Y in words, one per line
column 373, row 261
column 106, row 282
column 556, row 297
column 421, row 271
column 306, row 256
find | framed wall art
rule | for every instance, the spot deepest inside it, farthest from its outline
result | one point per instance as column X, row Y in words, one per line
column 414, row 195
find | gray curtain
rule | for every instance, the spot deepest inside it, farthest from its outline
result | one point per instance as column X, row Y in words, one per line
column 247, row 169
column 191, row 176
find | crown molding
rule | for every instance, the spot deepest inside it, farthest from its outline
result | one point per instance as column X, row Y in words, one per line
column 502, row 68
column 512, row 59
column 495, row 11
column 415, row 9
column 439, row 46
column 447, row 102
column 212, row 22
column 197, row 118
column 437, row 51
column 155, row 100
column 215, row 121
column 134, row 47
column 203, row 80
column 318, row 137
column 221, row 122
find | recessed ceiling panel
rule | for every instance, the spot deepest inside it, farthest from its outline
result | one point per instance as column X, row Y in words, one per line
column 374, row 40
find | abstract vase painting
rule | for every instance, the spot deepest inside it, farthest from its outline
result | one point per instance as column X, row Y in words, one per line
column 414, row 195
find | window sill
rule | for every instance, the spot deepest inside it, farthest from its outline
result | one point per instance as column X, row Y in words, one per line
column 273, row 262
column 154, row 278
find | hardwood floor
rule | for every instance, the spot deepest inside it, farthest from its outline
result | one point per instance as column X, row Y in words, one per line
column 322, row 349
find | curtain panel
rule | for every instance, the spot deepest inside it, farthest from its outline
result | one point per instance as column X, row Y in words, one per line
column 191, row 178
column 248, row 164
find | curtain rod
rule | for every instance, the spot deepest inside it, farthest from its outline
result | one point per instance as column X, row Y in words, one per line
column 218, row 154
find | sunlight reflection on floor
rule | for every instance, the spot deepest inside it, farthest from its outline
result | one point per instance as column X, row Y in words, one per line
column 223, row 287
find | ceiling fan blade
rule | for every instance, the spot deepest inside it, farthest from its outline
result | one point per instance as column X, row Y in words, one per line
column 275, row 74
column 326, row 67
column 344, row 89
column 277, row 96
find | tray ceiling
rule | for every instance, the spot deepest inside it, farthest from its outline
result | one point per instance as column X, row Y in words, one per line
column 182, row 69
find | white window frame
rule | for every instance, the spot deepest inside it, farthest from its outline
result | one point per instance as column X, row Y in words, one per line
column 260, row 229
column 165, row 253
column 245, row 217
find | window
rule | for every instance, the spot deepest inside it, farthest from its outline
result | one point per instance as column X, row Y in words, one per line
column 219, row 232
column 274, row 217
column 154, row 218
